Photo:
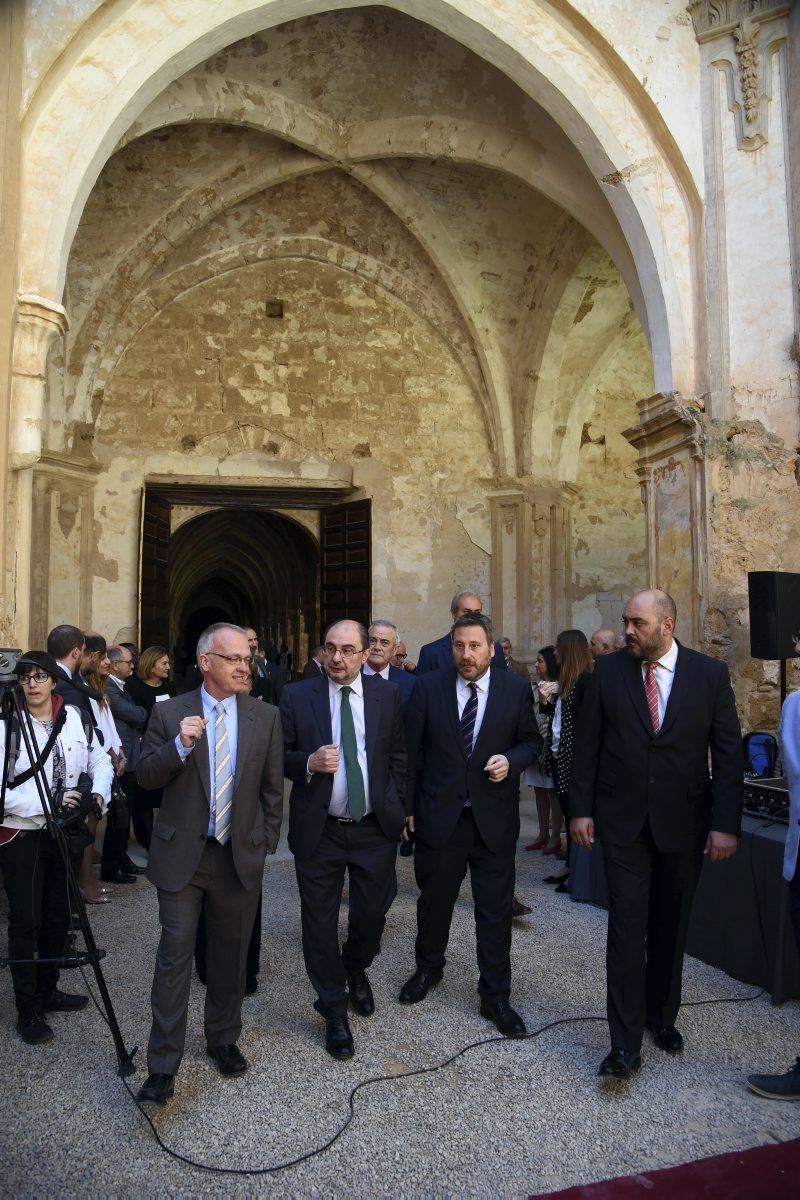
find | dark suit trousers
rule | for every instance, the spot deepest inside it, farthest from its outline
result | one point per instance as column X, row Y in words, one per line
column 650, row 897
column 115, row 841
column 230, row 910
column 369, row 857
column 253, row 946
column 440, row 873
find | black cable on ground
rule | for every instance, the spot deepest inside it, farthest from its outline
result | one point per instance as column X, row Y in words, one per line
column 365, row 1083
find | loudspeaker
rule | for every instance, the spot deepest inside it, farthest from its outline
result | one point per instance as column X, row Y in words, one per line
column 774, row 613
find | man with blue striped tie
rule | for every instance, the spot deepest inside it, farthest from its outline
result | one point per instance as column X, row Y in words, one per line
column 218, row 755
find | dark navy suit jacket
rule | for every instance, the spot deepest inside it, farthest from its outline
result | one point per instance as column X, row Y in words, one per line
column 435, row 656
column 404, row 680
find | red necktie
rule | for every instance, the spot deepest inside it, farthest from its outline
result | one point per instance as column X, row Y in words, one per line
column 651, row 691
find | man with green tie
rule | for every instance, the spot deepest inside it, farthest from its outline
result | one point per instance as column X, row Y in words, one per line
column 344, row 751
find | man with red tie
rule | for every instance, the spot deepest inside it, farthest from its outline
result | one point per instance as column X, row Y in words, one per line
column 640, row 781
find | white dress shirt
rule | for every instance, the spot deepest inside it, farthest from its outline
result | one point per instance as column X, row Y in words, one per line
column 665, row 675
column 384, row 674
column 463, row 694
column 338, row 804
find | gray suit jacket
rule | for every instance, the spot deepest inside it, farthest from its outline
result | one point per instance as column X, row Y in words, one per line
column 181, row 827
column 130, row 720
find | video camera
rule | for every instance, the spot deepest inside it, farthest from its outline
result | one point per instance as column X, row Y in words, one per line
column 71, row 818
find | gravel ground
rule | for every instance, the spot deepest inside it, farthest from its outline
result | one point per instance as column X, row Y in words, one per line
column 505, row 1119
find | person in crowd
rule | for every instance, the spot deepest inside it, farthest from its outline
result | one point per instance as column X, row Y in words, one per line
column 383, row 639
column 640, row 780
column 130, row 719
column 512, row 665
column 401, row 660
column 786, row 1086
column 345, row 755
column 263, row 682
column 217, row 754
column 150, row 685
column 33, row 869
column 575, row 664
column 603, row 641
column 538, row 776
column 438, row 655
column 133, row 650
column 463, row 809
column 316, row 664
column 66, row 644
column 97, row 679
column 94, row 648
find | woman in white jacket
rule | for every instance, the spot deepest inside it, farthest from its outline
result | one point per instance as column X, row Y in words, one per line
column 32, row 868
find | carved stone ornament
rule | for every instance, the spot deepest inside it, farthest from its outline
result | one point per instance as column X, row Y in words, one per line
column 711, row 18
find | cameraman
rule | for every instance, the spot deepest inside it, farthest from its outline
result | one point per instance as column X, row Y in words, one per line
column 31, row 863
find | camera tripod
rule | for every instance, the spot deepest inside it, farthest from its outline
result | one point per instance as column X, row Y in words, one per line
column 14, row 715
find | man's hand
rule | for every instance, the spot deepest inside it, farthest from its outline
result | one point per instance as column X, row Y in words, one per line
column 408, row 665
column 497, row 768
column 120, row 765
column 191, row 730
column 582, row 830
column 720, row 846
column 325, row 760
column 407, row 828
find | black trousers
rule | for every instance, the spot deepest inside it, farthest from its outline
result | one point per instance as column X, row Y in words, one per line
column 253, row 949
column 115, row 841
column 35, row 880
column 369, row 857
column 650, row 896
column 440, row 873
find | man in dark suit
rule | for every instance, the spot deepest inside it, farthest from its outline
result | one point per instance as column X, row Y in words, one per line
column 218, row 755
column 640, row 781
column 438, row 655
column 383, row 639
column 315, row 667
column 66, row 644
column 130, row 720
column 264, row 686
column 345, row 754
column 470, row 731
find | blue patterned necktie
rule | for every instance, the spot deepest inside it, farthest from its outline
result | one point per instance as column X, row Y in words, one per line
column 468, row 718
column 223, row 778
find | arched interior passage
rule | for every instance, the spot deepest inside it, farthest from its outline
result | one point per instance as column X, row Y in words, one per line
column 251, row 568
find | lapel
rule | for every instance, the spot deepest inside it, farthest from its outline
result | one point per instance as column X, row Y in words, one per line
column 193, row 707
column 488, row 712
column 244, row 738
column 632, row 673
column 321, row 707
column 372, row 713
column 678, row 692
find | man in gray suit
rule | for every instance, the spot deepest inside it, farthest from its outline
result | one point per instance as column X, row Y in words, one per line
column 218, row 755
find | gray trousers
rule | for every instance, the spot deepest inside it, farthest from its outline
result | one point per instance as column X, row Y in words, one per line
column 229, row 910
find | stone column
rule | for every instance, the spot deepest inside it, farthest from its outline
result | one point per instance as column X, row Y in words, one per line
column 671, row 471
column 531, row 563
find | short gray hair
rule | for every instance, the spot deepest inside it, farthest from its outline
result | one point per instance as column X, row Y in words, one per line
column 386, row 625
column 459, row 596
column 116, row 654
column 208, row 636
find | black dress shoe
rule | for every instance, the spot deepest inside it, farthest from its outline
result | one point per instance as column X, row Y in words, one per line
column 557, row 878
column 63, row 1002
column 361, row 996
column 417, row 987
column 229, row 1059
column 619, row 1064
column 338, row 1038
column 667, row 1038
column 33, row 1029
column 156, row 1089
column 507, row 1020
column 118, row 875
column 518, row 909
column 132, row 868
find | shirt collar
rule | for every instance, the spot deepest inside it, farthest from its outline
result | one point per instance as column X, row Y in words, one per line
column 113, row 679
column 209, row 703
column 384, row 674
column 482, row 684
column 668, row 660
column 356, row 685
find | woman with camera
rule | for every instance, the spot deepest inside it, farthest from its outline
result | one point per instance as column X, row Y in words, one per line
column 31, row 861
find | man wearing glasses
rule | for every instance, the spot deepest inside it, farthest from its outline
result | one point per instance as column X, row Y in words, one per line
column 218, row 755
column 345, row 754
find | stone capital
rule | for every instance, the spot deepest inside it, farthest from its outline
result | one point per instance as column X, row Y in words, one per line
column 39, row 323
column 668, row 424
column 715, row 18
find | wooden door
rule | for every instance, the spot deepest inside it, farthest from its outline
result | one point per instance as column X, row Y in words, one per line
column 346, row 563
column 154, row 607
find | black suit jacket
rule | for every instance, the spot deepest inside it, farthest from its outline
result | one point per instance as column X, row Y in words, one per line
column 440, row 775
column 403, row 680
column 181, row 827
column 306, row 717
column 313, row 670
column 130, row 720
column 76, row 691
column 438, row 655
column 623, row 773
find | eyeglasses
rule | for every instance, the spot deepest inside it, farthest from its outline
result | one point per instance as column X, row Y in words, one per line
column 37, row 677
column 345, row 651
column 400, row 657
column 236, row 660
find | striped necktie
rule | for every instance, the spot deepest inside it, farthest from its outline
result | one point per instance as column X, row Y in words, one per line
column 651, row 691
column 223, row 778
column 468, row 718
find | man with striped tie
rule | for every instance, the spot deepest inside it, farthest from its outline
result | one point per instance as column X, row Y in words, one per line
column 470, row 731
column 218, row 755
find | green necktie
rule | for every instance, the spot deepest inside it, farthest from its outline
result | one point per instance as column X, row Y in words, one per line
column 356, row 800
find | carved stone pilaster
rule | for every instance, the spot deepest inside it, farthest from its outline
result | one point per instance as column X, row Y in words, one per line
column 741, row 36
column 39, row 323
column 671, row 470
